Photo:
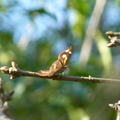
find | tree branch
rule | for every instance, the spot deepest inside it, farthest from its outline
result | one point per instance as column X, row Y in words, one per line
column 113, row 36
column 4, row 98
column 92, row 26
column 116, row 106
column 16, row 72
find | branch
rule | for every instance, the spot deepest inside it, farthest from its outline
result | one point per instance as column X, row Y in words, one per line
column 4, row 98
column 92, row 26
column 116, row 106
column 113, row 36
column 16, row 72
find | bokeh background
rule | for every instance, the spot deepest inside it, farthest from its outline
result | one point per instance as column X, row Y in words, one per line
column 34, row 32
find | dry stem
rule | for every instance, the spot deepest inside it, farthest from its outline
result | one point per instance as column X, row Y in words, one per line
column 16, row 72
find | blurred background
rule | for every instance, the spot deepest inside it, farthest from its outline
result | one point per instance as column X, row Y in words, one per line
column 34, row 32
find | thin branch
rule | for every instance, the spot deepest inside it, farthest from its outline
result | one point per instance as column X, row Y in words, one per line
column 116, row 106
column 4, row 98
column 16, row 72
column 93, row 24
column 113, row 36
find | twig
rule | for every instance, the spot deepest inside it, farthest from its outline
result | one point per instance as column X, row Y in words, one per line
column 113, row 36
column 16, row 72
column 4, row 102
column 116, row 106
